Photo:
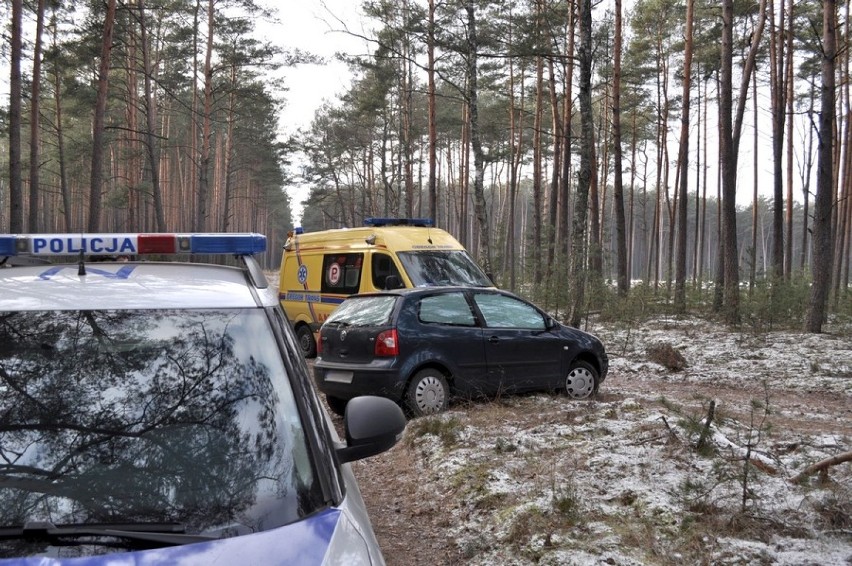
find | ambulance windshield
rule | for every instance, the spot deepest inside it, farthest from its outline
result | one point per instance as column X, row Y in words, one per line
column 443, row 267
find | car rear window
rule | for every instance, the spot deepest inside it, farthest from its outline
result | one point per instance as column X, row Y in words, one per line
column 364, row 311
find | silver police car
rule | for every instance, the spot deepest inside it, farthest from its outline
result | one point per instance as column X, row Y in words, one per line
column 161, row 412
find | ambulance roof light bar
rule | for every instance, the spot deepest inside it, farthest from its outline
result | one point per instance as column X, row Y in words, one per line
column 102, row 244
column 420, row 222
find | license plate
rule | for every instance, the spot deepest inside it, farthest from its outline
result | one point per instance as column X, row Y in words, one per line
column 338, row 376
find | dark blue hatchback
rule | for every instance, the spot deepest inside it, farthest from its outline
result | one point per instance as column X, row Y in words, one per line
column 421, row 347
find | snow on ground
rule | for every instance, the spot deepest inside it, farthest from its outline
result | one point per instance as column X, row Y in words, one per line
column 618, row 480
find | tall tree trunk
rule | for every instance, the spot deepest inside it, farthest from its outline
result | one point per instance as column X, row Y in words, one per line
column 556, row 169
column 683, row 162
column 730, row 141
column 516, row 137
column 16, row 193
column 618, row 188
column 202, row 211
column 729, row 170
column 433, row 129
column 64, row 189
column 227, row 197
column 806, row 184
column 35, row 109
column 844, row 216
column 152, row 146
column 406, row 111
column 96, row 189
column 789, row 81
column 755, row 202
column 699, row 164
column 537, row 165
column 564, row 233
column 475, row 141
column 822, row 244
column 702, row 229
column 587, row 166
column 778, row 93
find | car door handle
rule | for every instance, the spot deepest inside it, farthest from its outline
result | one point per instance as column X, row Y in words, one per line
column 493, row 339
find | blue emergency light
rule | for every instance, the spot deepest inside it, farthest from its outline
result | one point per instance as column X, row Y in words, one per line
column 131, row 244
column 420, row 222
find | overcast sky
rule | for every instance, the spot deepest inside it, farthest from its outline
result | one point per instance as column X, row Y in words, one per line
column 314, row 26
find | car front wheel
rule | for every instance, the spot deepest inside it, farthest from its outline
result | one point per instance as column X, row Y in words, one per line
column 582, row 380
column 428, row 393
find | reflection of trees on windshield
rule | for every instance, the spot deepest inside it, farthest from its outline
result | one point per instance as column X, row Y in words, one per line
column 146, row 416
column 454, row 267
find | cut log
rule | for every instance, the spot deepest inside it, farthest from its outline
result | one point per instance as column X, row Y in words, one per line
column 822, row 466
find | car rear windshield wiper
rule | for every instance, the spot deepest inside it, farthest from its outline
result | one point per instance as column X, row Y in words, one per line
column 148, row 535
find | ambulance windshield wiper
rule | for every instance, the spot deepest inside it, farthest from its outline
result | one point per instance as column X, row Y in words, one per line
column 142, row 535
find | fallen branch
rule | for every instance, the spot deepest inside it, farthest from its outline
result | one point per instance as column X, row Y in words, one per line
column 756, row 459
column 822, row 466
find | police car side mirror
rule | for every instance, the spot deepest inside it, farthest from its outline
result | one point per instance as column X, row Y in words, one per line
column 372, row 425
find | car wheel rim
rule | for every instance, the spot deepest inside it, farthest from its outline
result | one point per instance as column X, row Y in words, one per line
column 304, row 341
column 580, row 383
column 429, row 395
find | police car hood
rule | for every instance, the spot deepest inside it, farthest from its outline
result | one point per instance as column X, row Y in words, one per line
column 124, row 286
column 327, row 538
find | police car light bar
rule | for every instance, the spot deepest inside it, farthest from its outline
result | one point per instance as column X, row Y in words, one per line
column 130, row 244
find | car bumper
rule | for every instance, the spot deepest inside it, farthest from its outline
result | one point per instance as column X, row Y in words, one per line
column 345, row 381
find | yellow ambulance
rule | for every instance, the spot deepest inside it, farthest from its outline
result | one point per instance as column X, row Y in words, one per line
column 320, row 269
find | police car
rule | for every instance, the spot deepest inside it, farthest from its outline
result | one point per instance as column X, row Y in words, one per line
column 161, row 412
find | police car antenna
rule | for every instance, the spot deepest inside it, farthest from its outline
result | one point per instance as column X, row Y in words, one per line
column 81, row 266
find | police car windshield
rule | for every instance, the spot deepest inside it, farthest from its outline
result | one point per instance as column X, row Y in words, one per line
column 154, row 415
column 443, row 267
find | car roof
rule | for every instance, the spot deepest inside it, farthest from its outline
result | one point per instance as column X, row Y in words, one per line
column 128, row 285
column 429, row 290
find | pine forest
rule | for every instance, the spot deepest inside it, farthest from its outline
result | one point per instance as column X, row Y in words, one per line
column 607, row 157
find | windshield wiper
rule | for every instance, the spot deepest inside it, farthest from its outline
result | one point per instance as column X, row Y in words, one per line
column 149, row 535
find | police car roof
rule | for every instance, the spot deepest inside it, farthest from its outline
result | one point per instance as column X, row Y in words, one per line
column 132, row 285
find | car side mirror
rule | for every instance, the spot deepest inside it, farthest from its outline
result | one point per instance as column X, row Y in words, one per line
column 392, row 282
column 550, row 323
column 372, row 425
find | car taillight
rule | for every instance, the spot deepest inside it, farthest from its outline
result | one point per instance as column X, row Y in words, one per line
column 387, row 343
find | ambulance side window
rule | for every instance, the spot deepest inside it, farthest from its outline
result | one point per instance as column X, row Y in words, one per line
column 341, row 273
column 382, row 267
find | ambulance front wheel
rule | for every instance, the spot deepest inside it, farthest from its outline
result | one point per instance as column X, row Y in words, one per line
column 306, row 341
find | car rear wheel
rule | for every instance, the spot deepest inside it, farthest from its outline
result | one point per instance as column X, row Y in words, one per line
column 336, row 404
column 428, row 393
column 581, row 381
column 306, row 341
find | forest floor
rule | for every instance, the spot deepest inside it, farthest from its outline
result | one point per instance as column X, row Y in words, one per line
column 619, row 479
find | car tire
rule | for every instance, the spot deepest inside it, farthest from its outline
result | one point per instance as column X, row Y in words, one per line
column 581, row 381
column 428, row 393
column 336, row 404
column 306, row 341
